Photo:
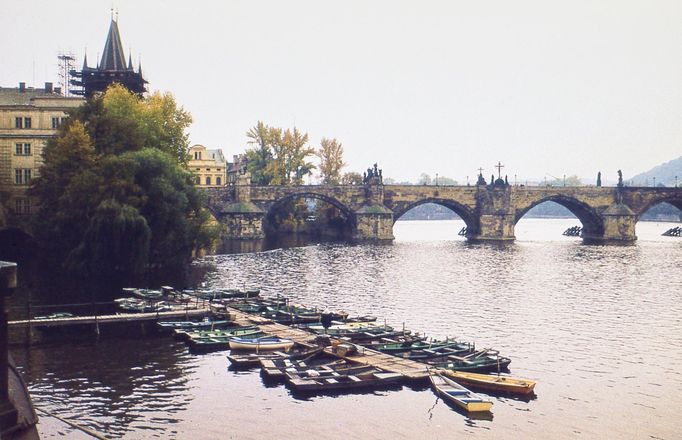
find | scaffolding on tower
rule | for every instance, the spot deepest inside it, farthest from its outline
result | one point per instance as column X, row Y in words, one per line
column 67, row 62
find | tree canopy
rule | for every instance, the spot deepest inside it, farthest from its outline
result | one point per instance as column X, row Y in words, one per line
column 278, row 157
column 331, row 161
column 115, row 195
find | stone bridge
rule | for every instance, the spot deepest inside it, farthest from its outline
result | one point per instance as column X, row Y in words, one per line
column 607, row 214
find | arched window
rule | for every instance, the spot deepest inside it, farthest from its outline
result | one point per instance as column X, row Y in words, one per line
column 208, row 180
column 218, row 181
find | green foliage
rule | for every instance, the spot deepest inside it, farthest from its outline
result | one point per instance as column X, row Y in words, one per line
column 259, row 157
column 351, row 178
column 569, row 181
column 115, row 196
column 425, row 179
column 278, row 157
column 122, row 121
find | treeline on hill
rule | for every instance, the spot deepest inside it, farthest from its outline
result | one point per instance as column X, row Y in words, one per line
column 116, row 197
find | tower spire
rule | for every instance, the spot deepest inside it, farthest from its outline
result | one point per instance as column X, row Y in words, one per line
column 113, row 57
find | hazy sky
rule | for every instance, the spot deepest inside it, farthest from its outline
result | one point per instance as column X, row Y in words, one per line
column 546, row 87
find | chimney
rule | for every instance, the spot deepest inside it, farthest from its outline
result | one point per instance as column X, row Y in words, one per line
column 48, row 87
column 22, row 87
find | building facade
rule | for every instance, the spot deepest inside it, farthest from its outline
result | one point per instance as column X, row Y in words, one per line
column 208, row 166
column 28, row 118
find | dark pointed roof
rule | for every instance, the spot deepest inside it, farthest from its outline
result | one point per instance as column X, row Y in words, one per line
column 112, row 69
column 113, row 57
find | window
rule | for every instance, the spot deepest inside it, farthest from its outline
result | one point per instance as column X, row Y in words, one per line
column 22, row 206
column 27, row 122
column 208, row 180
column 22, row 176
column 18, row 122
column 197, row 155
column 218, row 181
column 56, row 122
column 22, row 149
column 197, row 180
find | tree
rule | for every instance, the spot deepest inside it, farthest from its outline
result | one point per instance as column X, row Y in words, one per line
column 331, row 161
column 424, row 179
column 116, row 198
column 351, row 178
column 121, row 121
column 570, row 181
column 260, row 157
column 290, row 152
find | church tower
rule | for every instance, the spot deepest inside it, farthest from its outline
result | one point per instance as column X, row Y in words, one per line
column 111, row 69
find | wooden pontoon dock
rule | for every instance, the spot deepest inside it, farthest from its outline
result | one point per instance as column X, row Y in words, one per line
column 408, row 368
column 109, row 319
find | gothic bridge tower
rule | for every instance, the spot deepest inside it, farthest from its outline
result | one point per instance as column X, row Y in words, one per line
column 111, row 69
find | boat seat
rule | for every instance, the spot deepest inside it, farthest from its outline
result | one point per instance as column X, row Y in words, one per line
column 354, row 379
column 457, row 392
column 470, row 399
column 331, row 381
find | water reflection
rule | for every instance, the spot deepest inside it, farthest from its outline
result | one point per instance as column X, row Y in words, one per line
column 107, row 389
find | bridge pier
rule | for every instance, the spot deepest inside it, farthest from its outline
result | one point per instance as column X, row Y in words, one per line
column 619, row 226
column 494, row 227
column 242, row 221
column 496, row 214
column 373, row 223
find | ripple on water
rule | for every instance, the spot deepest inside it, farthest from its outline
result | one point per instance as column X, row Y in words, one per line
column 597, row 326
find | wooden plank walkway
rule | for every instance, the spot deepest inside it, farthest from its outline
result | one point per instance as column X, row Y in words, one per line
column 410, row 369
column 107, row 319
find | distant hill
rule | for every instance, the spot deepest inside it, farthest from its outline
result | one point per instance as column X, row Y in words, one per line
column 664, row 174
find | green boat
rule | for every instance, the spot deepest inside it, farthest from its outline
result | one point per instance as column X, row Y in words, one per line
column 401, row 347
column 209, row 343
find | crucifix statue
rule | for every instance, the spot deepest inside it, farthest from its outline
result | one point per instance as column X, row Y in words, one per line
column 499, row 167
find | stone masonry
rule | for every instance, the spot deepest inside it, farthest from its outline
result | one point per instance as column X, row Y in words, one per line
column 608, row 214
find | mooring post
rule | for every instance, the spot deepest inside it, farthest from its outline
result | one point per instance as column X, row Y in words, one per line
column 8, row 413
column 29, row 328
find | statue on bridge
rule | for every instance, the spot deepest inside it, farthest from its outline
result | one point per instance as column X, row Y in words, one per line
column 372, row 173
column 599, row 179
column 620, row 179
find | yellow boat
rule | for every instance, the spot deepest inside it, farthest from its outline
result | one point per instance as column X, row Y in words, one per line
column 455, row 393
column 502, row 384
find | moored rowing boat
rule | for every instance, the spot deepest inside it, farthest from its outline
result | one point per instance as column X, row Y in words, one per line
column 261, row 344
column 455, row 393
column 503, row 384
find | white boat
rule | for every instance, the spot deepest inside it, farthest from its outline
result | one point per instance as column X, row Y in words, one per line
column 259, row 344
column 455, row 393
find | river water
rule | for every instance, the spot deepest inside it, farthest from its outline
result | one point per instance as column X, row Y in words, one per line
column 599, row 328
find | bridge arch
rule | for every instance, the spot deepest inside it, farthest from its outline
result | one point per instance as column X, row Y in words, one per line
column 465, row 213
column 672, row 199
column 347, row 213
column 592, row 224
